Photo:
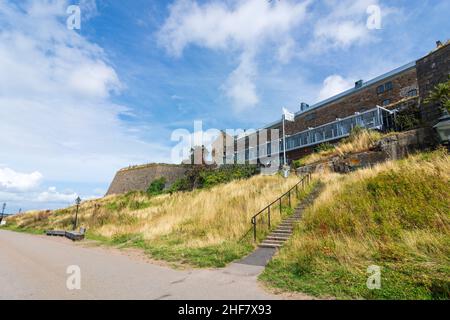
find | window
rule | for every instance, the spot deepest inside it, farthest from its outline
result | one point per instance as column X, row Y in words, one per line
column 385, row 87
column 386, row 102
column 380, row 89
column 412, row 93
column 388, row 86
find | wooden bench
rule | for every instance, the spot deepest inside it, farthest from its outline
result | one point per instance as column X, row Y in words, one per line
column 55, row 233
column 72, row 235
column 76, row 236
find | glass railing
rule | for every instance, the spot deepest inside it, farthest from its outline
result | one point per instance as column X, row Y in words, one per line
column 341, row 128
column 376, row 118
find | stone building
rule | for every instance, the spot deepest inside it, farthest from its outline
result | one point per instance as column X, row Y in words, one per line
column 370, row 104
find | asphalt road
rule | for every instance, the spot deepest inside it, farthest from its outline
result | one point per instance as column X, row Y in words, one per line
column 35, row 267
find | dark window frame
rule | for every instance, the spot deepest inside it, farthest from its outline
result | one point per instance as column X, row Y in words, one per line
column 388, row 86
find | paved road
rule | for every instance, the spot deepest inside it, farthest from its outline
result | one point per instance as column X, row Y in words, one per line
column 34, row 267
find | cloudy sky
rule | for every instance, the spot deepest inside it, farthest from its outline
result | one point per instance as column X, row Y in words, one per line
column 76, row 105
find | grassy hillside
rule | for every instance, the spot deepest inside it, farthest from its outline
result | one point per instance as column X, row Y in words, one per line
column 395, row 215
column 358, row 141
column 201, row 227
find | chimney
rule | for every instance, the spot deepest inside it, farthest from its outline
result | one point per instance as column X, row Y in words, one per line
column 304, row 106
column 358, row 84
column 438, row 44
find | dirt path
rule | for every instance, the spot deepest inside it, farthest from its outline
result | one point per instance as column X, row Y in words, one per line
column 34, row 267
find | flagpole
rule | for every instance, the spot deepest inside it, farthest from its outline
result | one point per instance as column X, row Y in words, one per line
column 284, row 141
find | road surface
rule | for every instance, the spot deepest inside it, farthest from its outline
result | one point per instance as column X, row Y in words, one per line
column 35, row 267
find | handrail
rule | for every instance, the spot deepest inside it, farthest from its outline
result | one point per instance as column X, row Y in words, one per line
column 305, row 179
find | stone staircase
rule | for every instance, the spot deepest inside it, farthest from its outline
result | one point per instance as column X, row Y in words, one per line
column 283, row 232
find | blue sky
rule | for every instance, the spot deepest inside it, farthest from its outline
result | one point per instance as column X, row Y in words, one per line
column 77, row 105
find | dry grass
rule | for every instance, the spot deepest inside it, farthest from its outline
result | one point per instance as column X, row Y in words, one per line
column 359, row 141
column 395, row 215
column 191, row 220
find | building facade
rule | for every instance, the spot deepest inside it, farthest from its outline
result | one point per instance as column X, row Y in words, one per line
column 370, row 104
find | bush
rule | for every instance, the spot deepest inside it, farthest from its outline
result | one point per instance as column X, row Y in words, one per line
column 157, row 186
column 198, row 177
column 181, row 184
column 323, row 147
column 408, row 119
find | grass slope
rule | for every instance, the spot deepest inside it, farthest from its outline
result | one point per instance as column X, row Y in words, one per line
column 201, row 228
column 395, row 215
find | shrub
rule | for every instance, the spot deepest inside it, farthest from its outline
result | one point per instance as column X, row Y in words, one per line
column 198, row 177
column 157, row 186
column 408, row 119
column 323, row 147
column 440, row 95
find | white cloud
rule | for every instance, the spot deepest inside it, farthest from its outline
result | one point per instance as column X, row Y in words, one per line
column 240, row 87
column 240, row 27
column 333, row 85
column 56, row 92
column 52, row 195
column 345, row 25
column 36, row 198
column 11, row 180
column 342, row 33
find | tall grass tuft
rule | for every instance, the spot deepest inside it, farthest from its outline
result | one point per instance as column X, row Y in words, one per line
column 395, row 215
column 359, row 140
column 201, row 227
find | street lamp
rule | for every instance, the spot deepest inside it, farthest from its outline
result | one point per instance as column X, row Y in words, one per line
column 443, row 127
column 3, row 212
column 77, row 201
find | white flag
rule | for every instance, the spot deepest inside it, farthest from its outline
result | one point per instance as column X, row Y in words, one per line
column 288, row 116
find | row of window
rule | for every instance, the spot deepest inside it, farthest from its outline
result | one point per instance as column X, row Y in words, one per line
column 411, row 93
column 385, row 87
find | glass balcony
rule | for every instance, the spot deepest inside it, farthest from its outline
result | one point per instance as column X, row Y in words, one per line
column 378, row 118
column 341, row 128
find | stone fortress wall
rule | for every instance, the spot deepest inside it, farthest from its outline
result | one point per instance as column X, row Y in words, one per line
column 139, row 178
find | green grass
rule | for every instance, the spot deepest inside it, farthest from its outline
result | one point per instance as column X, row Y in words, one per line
column 200, row 228
column 15, row 228
column 396, row 216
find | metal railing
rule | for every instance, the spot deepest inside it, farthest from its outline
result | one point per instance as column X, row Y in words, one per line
column 303, row 182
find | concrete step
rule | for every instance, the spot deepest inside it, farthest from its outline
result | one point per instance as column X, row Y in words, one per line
column 284, row 229
column 273, row 241
column 280, row 238
column 266, row 245
column 281, row 234
column 286, row 224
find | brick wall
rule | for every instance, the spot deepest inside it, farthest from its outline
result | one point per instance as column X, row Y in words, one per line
column 139, row 178
column 364, row 99
column 431, row 70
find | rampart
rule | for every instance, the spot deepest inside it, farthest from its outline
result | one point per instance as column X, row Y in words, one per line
column 139, row 178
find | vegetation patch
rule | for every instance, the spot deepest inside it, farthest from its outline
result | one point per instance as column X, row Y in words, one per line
column 203, row 227
column 395, row 215
column 360, row 140
column 198, row 177
column 157, row 187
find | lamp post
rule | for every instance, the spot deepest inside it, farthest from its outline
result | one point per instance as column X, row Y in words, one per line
column 77, row 201
column 3, row 212
column 443, row 127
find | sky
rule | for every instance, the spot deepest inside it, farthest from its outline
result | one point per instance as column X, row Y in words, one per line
column 76, row 105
